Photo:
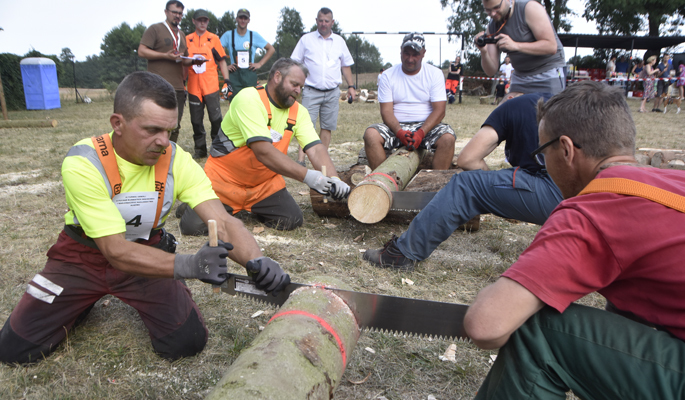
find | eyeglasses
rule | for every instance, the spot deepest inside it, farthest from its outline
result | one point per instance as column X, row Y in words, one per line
column 540, row 157
column 496, row 8
column 179, row 13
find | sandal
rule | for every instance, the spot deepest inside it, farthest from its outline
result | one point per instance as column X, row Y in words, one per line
column 641, row 111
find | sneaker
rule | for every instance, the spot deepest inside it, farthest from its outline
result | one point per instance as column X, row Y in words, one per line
column 656, row 110
column 390, row 257
column 198, row 155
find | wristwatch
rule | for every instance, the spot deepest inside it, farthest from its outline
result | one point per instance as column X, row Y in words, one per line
column 352, row 87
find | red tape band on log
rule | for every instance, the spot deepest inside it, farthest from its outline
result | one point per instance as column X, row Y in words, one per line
column 397, row 189
column 321, row 322
column 370, row 181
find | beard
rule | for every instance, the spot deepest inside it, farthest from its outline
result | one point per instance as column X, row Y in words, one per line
column 284, row 98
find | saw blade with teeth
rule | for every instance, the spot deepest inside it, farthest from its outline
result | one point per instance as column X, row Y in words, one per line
column 395, row 315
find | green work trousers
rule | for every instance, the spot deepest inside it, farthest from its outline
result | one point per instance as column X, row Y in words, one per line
column 242, row 78
column 595, row 353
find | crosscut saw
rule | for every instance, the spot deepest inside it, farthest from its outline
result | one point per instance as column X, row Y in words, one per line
column 375, row 311
column 411, row 201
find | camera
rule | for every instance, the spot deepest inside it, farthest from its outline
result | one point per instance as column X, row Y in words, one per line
column 482, row 41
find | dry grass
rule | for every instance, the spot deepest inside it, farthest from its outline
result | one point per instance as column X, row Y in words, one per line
column 110, row 357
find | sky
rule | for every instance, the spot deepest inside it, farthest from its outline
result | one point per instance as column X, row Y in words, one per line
column 49, row 26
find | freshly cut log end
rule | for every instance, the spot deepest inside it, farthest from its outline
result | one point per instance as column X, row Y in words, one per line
column 369, row 203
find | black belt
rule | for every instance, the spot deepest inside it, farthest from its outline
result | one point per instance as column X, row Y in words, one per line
column 321, row 90
column 79, row 236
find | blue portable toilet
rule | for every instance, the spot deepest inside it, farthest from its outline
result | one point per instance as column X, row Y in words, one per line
column 40, row 83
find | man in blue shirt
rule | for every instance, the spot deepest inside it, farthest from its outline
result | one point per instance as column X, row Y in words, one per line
column 241, row 45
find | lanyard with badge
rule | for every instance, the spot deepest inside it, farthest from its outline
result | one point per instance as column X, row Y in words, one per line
column 176, row 38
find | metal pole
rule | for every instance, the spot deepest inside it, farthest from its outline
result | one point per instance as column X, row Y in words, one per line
column 461, row 78
column 440, row 53
column 356, row 63
column 575, row 57
column 73, row 65
column 630, row 61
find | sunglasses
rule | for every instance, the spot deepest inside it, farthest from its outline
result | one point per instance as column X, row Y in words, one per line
column 540, row 157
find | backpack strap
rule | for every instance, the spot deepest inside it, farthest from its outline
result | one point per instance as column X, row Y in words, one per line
column 630, row 187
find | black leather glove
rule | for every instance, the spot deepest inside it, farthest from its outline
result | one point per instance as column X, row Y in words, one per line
column 207, row 265
column 268, row 275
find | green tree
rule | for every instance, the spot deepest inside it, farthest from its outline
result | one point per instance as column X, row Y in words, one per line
column 290, row 28
column 88, row 72
column 367, row 57
column 188, row 27
column 67, row 59
column 627, row 17
column 120, row 52
column 10, row 74
column 226, row 23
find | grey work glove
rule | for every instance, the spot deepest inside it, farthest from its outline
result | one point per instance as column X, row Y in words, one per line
column 267, row 274
column 318, row 181
column 339, row 189
column 207, row 265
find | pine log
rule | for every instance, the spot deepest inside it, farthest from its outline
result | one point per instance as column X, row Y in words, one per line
column 301, row 354
column 370, row 201
column 29, row 123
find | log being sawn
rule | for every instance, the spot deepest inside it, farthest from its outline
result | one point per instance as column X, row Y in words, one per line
column 301, row 354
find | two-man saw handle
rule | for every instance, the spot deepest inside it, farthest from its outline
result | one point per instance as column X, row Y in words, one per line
column 213, row 242
column 323, row 171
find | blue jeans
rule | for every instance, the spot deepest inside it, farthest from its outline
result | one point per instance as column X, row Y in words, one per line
column 595, row 353
column 508, row 193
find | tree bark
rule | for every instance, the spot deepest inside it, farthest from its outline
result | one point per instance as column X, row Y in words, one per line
column 28, row 123
column 301, row 354
column 371, row 200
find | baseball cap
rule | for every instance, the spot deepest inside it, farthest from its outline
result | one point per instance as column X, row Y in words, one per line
column 243, row 12
column 200, row 13
column 415, row 40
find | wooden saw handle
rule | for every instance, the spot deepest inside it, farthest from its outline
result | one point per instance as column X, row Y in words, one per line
column 213, row 242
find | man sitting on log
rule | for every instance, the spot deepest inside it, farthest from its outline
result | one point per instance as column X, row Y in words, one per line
column 412, row 98
column 249, row 158
column 619, row 233
column 525, row 192
column 120, row 188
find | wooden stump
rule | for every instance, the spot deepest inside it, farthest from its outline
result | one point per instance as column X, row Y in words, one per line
column 301, row 354
column 371, row 200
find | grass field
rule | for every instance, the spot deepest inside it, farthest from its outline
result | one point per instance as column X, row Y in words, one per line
column 110, row 356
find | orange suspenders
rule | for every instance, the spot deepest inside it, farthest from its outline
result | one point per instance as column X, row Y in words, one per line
column 292, row 112
column 630, row 187
column 105, row 151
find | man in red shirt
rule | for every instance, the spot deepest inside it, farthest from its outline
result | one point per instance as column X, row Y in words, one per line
column 618, row 233
column 203, row 81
